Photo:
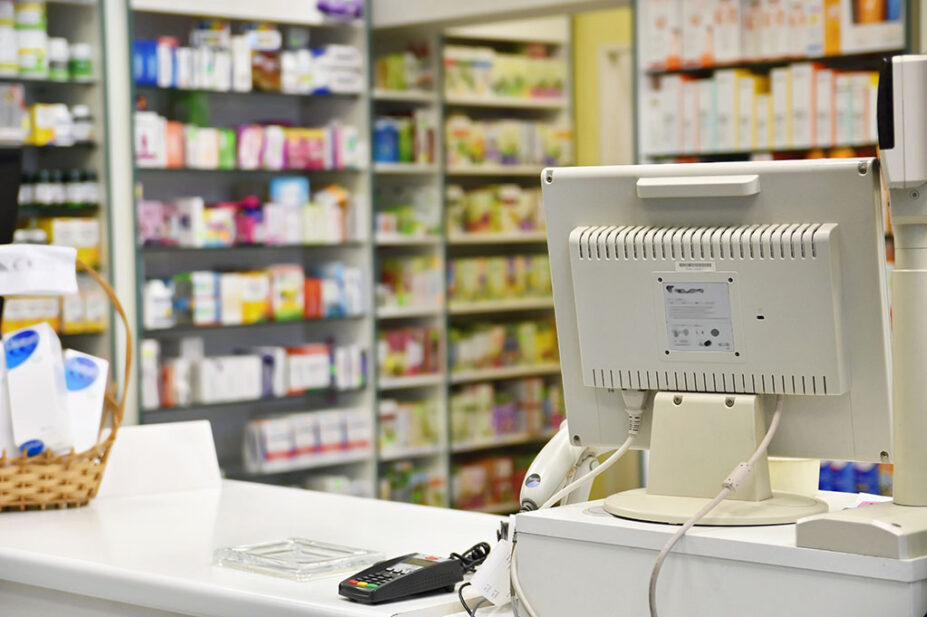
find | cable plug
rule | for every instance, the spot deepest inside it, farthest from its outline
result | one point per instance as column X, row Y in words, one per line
column 634, row 403
column 741, row 474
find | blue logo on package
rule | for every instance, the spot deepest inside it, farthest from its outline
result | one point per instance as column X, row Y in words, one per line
column 79, row 373
column 32, row 447
column 20, row 346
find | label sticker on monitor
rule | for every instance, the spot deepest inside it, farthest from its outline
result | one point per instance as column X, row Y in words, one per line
column 698, row 316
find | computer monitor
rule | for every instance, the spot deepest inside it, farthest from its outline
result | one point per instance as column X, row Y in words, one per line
column 745, row 281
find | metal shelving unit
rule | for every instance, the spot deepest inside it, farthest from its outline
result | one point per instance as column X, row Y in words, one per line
column 555, row 34
column 153, row 18
column 78, row 22
column 425, row 179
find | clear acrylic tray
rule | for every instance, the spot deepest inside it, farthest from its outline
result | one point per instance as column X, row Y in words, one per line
column 296, row 558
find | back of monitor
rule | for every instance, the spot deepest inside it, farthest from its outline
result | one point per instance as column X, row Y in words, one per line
column 761, row 278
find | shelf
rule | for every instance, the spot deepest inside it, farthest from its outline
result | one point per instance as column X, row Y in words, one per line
column 501, row 442
column 763, row 65
column 406, row 169
column 405, row 96
column 420, row 452
column 293, row 398
column 186, row 330
column 29, row 212
column 496, row 171
column 256, row 172
column 520, row 237
column 506, row 102
column 244, row 248
column 403, row 312
column 314, row 462
column 497, row 508
column 532, row 31
column 413, row 381
column 277, row 11
column 500, row 306
column 75, row 146
column 505, row 372
column 44, row 81
column 404, row 240
column 268, row 93
column 743, row 153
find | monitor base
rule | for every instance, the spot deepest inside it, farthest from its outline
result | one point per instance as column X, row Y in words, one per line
column 880, row 530
column 780, row 509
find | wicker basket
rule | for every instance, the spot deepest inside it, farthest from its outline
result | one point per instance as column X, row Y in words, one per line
column 69, row 480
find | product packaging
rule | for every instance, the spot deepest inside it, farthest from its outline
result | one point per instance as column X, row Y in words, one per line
column 293, row 191
column 150, row 358
column 38, row 395
column 286, row 287
column 7, row 443
column 85, row 379
column 9, row 51
column 250, row 146
column 274, row 370
column 255, row 292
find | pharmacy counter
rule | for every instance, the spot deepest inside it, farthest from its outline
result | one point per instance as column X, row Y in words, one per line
column 129, row 555
column 150, row 554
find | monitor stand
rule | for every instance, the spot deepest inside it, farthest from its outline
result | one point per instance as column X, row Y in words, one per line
column 696, row 440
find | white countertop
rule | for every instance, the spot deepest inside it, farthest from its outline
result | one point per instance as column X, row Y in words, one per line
column 772, row 544
column 156, row 551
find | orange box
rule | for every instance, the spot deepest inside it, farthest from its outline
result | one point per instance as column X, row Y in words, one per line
column 174, row 145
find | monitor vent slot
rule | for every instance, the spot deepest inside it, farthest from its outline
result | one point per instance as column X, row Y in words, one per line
column 692, row 381
column 629, row 243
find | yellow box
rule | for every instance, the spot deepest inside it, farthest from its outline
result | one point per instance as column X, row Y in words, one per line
column 80, row 233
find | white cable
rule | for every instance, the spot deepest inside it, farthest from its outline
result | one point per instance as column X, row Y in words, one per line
column 589, row 477
column 737, row 477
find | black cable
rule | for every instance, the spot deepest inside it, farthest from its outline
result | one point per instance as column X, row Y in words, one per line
column 473, row 556
column 470, row 559
column 463, row 602
column 470, row 611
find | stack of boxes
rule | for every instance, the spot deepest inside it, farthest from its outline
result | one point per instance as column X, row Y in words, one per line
column 262, row 372
column 473, row 142
column 798, row 107
column 480, row 413
column 488, row 345
column 282, row 292
column 259, row 58
column 707, row 33
column 407, row 425
column 404, row 352
column 168, row 144
column 801, row 106
column 407, row 282
column 291, row 217
column 306, row 439
column 83, row 313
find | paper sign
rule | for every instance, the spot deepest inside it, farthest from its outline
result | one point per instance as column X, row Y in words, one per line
column 492, row 579
column 868, row 499
column 34, row 270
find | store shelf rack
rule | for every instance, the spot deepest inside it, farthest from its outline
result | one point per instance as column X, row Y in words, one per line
column 151, row 19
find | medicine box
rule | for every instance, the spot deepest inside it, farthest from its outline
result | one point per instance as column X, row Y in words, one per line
column 38, row 396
